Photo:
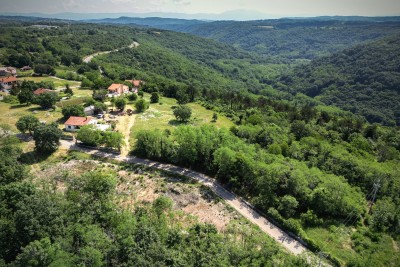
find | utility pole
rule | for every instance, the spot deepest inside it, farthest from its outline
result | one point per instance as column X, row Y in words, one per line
column 377, row 185
column 375, row 190
column 320, row 254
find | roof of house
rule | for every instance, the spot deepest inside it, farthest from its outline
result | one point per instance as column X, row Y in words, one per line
column 42, row 91
column 77, row 121
column 8, row 79
column 114, row 86
column 135, row 83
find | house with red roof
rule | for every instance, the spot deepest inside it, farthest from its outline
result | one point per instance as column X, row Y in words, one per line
column 135, row 84
column 75, row 123
column 42, row 91
column 7, row 83
column 118, row 89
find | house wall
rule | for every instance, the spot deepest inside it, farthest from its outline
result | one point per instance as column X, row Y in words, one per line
column 7, row 85
column 71, row 128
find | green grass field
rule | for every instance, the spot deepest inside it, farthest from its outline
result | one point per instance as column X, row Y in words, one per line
column 339, row 244
column 57, row 82
column 10, row 113
column 160, row 116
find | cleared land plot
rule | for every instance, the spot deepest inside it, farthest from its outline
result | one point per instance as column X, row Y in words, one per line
column 160, row 116
column 58, row 83
column 11, row 113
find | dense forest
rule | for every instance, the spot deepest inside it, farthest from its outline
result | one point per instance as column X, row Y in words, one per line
column 314, row 169
column 292, row 39
column 364, row 79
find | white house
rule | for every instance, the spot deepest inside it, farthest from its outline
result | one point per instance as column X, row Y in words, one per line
column 7, row 83
column 73, row 124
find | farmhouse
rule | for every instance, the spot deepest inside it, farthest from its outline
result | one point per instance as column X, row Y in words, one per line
column 135, row 84
column 7, row 83
column 117, row 89
column 8, row 71
column 42, row 91
column 75, row 123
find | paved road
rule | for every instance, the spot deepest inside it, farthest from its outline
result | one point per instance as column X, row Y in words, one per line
column 231, row 199
column 89, row 58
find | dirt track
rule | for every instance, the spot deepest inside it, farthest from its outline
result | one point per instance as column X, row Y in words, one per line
column 235, row 202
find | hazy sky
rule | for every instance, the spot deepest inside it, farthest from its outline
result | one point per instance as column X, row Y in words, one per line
column 272, row 7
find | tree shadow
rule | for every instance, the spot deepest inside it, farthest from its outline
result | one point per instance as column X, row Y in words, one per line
column 18, row 106
column 34, row 109
column 33, row 157
column 177, row 123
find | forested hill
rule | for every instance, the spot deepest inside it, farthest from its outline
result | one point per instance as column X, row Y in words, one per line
column 155, row 22
column 364, row 79
column 293, row 38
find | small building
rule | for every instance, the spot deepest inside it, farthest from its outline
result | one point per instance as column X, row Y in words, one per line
column 103, row 127
column 89, row 111
column 136, row 84
column 118, row 89
column 8, row 71
column 73, row 124
column 42, row 91
column 25, row 68
column 7, row 83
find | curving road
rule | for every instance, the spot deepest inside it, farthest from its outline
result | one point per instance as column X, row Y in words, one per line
column 89, row 58
column 241, row 206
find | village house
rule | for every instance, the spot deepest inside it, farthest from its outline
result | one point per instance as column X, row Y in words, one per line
column 118, row 89
column 73, row 124
column 42, row 91
column 135, row 84
column 8, row 71
column 6, row 83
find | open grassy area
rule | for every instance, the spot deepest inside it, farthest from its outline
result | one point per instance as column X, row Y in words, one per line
column 57, row 82
column 340, row 244
column 10, row 113
column 160, row 116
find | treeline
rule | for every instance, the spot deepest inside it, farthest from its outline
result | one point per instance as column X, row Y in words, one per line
column 84, row 227
column 364, row 80
column 287, row 40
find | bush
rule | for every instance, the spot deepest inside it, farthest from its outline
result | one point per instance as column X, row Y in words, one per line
column 73, row 110
column 183, row 113
column 141, row 105
column 11, row 99
column 132, row 97
column 44, row 69
column 155, row 97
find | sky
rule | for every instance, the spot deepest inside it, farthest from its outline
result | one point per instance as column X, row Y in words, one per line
column 273, row 8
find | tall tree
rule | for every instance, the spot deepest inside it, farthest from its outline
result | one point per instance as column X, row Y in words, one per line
column 27, row 123
column 47, row 138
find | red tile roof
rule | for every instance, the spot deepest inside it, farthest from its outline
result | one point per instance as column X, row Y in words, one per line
column 42, row 91
column 77, row 121
column 114, row 86
column 8, row 79
column 136, row 83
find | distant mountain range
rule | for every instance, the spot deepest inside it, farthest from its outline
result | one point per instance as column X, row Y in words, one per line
column 229, row 15
column 237, row 15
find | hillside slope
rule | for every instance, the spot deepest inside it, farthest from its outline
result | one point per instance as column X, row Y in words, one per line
column 293, row 38
column 364, row 79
